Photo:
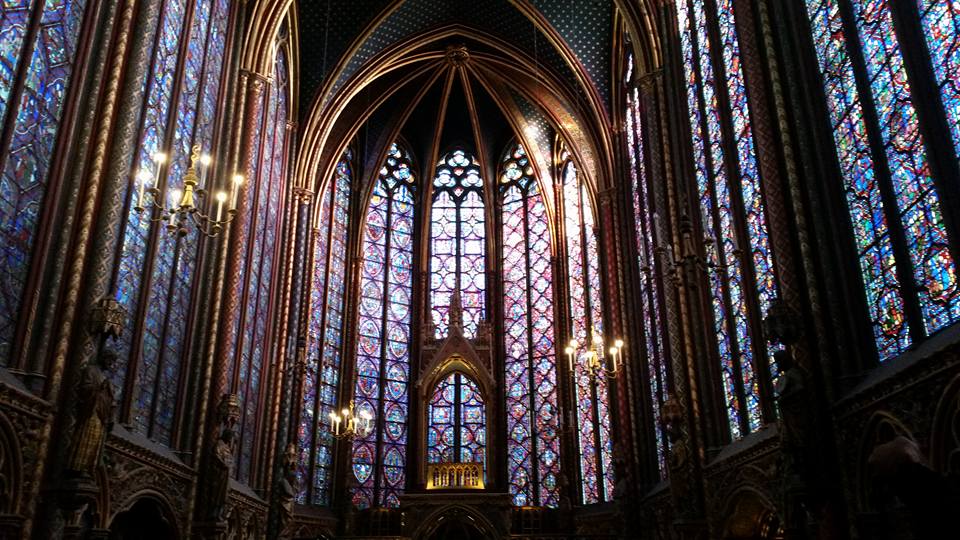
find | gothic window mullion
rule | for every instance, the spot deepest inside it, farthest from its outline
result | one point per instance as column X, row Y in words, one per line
column 716, row 274
column 381, row 420
column 591, row 331
column 652, row 353
column 534, row 454
column 928, row 99
column 457, row 421
column 736, row 170
column 157, row 403
column 27, row 46
column 903, row 264
column 170, row 132
column 142, row 294
column 194, row 135
column 312, row 455
column 321, row 358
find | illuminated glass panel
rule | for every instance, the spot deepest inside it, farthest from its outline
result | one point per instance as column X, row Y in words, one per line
column 159, row 342
column 456, row 431
column 650, row 315
column 940, row 20
column 33, row 122
column 457, row 242
column 325, row 340
column 383, row 328
column 530, row 374
column 917, row 207
column 730, row 198
column 583, row 263
column 263, row 253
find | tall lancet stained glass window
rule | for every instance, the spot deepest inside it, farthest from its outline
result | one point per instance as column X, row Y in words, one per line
column 325, row 333
column 650, row 314
column 530, row 371
column 35, row 76
column 457, row 427
column 908, row 267
column 383, row 328
column 265, row 203
column 457, row 240
column 586, row 314
column 156, row 269
column 742, row 282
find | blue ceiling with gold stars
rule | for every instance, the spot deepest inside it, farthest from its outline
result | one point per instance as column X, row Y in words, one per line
column 330, row 28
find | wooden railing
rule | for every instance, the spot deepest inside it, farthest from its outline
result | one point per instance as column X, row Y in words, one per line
column 455, row 475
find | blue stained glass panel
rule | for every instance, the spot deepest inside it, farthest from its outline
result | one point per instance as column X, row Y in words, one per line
column 36, row 119
column 383, row 360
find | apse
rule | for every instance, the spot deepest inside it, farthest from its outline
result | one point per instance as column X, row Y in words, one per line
column 510, row 269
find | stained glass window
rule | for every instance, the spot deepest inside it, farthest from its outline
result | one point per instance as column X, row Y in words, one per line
column 941, row 28
column 530, row 371
column 383, row 328
column 651, row 320
column 457, row 242
column 253, row 347
column 156, row 269
column 457, row 422
column 741, row 277
column 31, row 104
column 901, row 238
column 586, row 314
column 314, row 470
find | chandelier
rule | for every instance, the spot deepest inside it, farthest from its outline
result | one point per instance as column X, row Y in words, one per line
column 348, row 424
column 186, row 205
column 595, row 359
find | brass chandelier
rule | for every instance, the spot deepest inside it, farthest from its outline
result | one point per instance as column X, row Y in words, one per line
column 185, row 206
column 595, row 357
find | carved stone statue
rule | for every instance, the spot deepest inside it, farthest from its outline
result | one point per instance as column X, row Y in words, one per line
column 221, row 458
column 796, row 420
column 94, row 416
column 288, row 485
column 621, row 469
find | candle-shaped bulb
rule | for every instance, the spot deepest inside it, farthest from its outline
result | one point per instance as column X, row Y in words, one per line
column 345, row 413
column 237, row 180
column 221, row 198
column 205, row 160
column 175, row 195
column 597, row 339
column 143, row 176
column 618, row 343
column 569, row 350
column 574, row 344
column 333, row 417
column 614, row 351
column 160, row 158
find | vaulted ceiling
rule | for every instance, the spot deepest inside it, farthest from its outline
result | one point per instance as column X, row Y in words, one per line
column 338, row 36
column 373, row 70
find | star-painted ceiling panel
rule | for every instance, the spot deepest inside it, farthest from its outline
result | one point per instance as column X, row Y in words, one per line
column 587, row 27
column 325, row 40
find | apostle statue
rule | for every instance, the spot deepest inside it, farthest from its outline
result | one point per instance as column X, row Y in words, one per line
column 94, row 415
column 221, row 457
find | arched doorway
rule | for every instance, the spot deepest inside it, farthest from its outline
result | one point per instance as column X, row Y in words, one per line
column 457, row 528
column 145, row 520
column 455, row 523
